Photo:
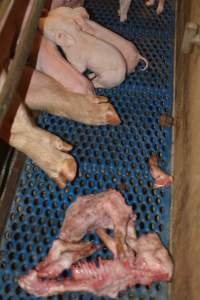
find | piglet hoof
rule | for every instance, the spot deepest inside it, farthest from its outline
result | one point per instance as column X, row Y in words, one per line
column 123, row 18
column 106, row 112
column 159, row 10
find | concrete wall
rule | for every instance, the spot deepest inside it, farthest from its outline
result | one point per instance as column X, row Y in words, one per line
column 185, row 239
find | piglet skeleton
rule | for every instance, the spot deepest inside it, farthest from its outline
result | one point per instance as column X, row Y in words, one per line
column 136, row 261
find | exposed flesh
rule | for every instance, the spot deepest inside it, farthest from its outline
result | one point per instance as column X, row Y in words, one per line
column 141, row 261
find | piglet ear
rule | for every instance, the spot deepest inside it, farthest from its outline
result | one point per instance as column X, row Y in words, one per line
column 64, row 39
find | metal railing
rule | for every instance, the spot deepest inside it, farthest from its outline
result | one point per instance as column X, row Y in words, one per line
column 21, row 54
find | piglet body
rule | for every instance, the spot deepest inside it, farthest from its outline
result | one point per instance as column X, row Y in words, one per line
column 81, row 18
column 128, row 49
column 85, row 51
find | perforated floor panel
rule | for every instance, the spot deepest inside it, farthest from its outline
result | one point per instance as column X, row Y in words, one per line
column 108, row 156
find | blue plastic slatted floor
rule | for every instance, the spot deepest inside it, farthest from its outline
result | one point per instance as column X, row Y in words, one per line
column 108, row 156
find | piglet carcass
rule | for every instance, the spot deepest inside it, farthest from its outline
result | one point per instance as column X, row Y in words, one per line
column 85, row 51
column 126, row 48
column 136, row 261
column 125, row 5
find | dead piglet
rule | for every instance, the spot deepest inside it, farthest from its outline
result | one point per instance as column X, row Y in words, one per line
column 84, row 51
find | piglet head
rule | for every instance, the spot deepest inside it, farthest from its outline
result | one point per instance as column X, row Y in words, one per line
column 59, row 31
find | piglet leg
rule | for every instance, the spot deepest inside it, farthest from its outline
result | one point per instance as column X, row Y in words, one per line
column 160, row 7
column 123, row 10
column 115, row 245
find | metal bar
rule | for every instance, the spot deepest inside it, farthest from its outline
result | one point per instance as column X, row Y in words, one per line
column 10, row 185
column 5, row 8
column 21, row 55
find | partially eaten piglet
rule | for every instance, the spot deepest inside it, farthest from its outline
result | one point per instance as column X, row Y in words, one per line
column 85, row 51
column 135, row 260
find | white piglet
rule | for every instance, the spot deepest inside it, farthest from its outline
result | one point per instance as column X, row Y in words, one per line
column 85, row 51
column 81, row 17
